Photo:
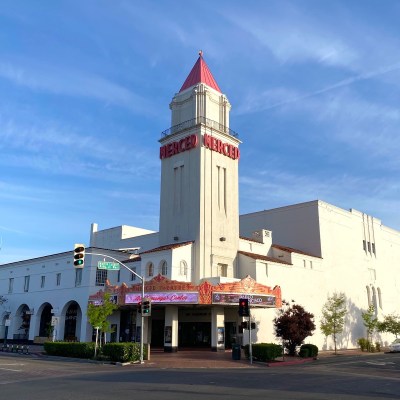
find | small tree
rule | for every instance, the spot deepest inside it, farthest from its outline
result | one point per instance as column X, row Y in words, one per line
column 370, row 322
column 391, row 324
column 293, row 325
column 98, row 314
column 333, row 316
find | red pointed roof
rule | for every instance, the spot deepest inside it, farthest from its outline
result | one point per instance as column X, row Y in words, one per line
column 200, row 73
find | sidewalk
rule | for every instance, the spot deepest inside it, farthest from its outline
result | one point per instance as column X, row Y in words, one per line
column 207, row 359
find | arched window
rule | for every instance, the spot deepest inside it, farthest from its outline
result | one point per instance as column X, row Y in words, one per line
column 163, row 268
column 369, row 296
column 380, row 298
column 183, row 268
column 150, row 269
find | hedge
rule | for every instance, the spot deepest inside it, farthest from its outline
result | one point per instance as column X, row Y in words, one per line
column 264, row 351
column 123, row 352
column 117, row 352
column 70, row 349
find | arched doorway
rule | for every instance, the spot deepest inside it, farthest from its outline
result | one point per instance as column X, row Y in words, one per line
column 22, row 323
column 72, row 322
column 45, row 328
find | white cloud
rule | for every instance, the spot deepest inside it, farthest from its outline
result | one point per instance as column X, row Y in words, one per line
column 62, row 81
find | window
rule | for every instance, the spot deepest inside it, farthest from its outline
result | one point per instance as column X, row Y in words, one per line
column 266, row 269
column 133, row 276
column 78, row 277
column 369, row 296
column 183, row 268
column 304, row 263
column 374, row 299
column 101, row 277
column 10, row 285
column 42, row 281
column 58, row 279
column 163, row 268
column 223, row 270
column 369, row 247
column 26, row 283
column 311, row 266
column 379, row 298
column 373, row 248
column 364, row 245
column 150, row 269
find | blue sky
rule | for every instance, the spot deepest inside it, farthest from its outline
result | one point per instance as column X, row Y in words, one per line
column 85, row 88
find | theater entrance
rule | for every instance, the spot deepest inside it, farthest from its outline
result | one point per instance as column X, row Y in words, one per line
column 194, row 334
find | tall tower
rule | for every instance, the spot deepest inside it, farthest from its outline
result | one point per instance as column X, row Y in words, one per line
column 199, row 176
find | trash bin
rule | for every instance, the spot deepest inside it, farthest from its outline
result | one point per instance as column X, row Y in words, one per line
column 236, row 350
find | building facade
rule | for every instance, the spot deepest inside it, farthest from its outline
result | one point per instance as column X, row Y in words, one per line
column 204, row 258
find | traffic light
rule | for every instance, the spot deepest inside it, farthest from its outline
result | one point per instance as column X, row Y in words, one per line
column 146, row 307
column 139, row 307
column 79, row 255
column 244, row 307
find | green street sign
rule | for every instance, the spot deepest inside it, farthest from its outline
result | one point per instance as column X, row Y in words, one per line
column 108, row 265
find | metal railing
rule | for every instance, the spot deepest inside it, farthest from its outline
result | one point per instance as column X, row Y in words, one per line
column 209, row 123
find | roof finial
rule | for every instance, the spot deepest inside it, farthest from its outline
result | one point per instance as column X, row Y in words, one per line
column 201, row 53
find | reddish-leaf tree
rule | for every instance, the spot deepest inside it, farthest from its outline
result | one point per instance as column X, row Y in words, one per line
column 293, row 325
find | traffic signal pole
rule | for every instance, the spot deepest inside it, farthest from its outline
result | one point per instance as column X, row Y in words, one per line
column 250, row 345
column 142, row 297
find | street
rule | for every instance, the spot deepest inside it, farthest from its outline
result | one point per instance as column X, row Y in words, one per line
column 375, row 376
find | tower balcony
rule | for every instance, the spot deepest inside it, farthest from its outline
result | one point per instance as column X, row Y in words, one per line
column 199, row 121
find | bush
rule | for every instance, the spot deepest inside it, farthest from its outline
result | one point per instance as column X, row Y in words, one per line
column 264, row 351
column 304, row 352
column 70, row 349
column 363, row 343
column 123, row 352
column 312, row 350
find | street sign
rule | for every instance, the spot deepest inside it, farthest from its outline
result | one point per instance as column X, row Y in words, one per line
column 108, row 265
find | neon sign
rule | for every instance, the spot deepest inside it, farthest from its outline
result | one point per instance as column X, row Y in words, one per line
column 164, row 297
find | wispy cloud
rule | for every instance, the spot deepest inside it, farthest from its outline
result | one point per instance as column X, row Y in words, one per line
column 70, row 82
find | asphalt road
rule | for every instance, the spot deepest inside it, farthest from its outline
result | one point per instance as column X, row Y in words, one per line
column 367, row 377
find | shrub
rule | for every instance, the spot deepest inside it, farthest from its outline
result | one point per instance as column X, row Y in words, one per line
column 363, row 343
column 304, row 352
column 70, row 349
column 123, row 352
column 264, row 351
column 312, row 350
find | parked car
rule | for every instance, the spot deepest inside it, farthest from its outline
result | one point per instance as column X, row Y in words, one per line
column 395, row 346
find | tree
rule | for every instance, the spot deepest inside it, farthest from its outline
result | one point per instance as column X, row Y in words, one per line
column 333, row 316
column 293, row 325
column 391, row 324
column 370, row 322
column 98, row 314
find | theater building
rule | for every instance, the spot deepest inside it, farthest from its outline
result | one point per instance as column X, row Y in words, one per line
column 204, row 258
